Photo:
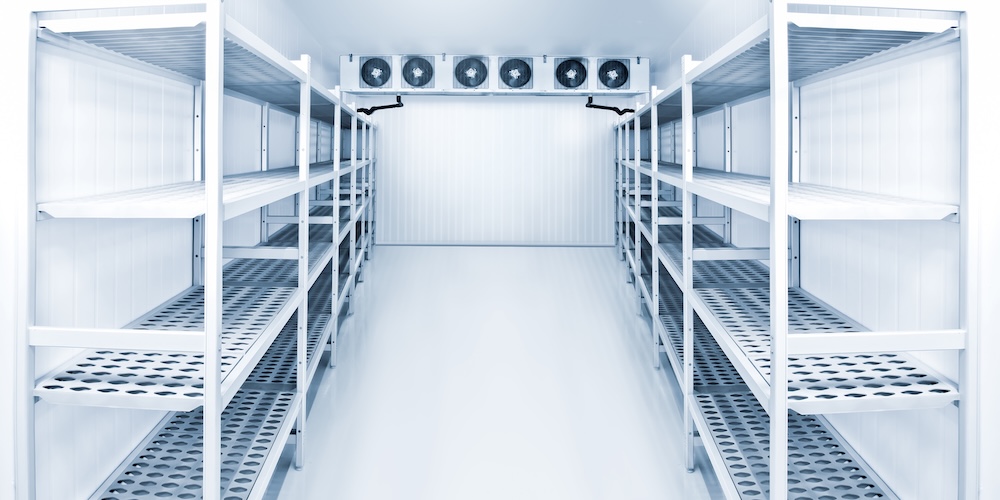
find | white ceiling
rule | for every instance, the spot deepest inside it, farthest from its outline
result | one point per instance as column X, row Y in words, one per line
column 502, row 27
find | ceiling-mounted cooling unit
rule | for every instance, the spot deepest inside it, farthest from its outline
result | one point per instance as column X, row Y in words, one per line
column 418, row 71
column 373, row 74
column 571, row 73
column 471, row 72
column 376, row 72
column 612, row 74
column 515, row 73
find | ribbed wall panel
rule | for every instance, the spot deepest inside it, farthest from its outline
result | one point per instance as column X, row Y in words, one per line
column 495, row 170
column 241, row 153
column 281, row 152
column 101, row 128
column 751, row 133
column 891, row 130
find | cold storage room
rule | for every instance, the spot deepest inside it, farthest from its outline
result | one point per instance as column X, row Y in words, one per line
column 297, row 249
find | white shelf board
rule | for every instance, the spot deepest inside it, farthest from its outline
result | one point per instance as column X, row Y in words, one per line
column 186, row 200
column 751, row 195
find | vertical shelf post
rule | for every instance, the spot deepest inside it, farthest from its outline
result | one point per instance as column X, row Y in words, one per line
column 654, row 224
column 637, row 204
column 353, row 207
column 687, row 232
column 778, row 402
column 335, row 279
column 212, row 442
column 305, row 136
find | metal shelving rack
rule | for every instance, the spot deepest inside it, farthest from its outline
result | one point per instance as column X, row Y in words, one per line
column 722, row 316
column 235, row 353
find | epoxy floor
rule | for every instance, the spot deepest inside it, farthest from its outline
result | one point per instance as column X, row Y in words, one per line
column 495, row 373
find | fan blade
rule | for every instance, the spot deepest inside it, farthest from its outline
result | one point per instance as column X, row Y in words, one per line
column 571, row 73
column 375, row 72
column 613, row 74
column 515, row 73
column 418, row 72
column 470, row 72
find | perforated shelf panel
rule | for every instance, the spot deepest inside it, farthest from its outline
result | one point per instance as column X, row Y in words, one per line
column 826, row 383
column 279, row 365
column 181, row 49
column 712, row 369
column 820, row 465
column 169, row 463
column 811, row 50
column 173, row 381
column 186, row 200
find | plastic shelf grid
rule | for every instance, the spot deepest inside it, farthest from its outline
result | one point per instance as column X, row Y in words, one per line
column 170, row 381
column 169, row 463
column 820, row 465
column 279, row 366
column 712, row 369
column 823, row 383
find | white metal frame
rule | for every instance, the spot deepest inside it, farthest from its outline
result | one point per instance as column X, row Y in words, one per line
column 782, row 200
column 208, row 201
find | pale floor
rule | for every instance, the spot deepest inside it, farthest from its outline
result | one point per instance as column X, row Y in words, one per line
column 495, row 373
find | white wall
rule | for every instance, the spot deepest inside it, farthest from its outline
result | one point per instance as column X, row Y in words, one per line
column 495, row 170
column 984, row 106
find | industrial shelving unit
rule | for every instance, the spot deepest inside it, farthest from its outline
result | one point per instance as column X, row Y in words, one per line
column 231, row 358
column 760, row 359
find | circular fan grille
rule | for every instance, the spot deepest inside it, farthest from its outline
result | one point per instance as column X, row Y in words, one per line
column 418, row 72
column 613, row 74
column 571, row 73
column 375, row 72
column 470, row 72
column 515, row 73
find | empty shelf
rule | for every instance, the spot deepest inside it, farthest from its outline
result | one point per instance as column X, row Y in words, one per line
column 186, row 200
column 739, row 318
column 735, row 430
column 279, row 366
column 251, row 318
column 255, row 427
column 816, row 43
column 176, row 42
column 752, row 195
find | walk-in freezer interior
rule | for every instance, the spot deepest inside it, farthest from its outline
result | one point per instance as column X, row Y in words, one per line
column 205, row 184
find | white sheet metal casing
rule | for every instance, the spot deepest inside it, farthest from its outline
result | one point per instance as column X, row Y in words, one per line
column 542, row 76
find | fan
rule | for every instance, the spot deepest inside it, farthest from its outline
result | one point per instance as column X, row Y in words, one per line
column 571, row 74
column 515, row 73
column 470, row 72
column 375, row 72
column 613, row 74
column 418, row 71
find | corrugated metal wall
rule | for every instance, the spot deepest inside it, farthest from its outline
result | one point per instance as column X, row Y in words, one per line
column 105, row 128
column 495, row 170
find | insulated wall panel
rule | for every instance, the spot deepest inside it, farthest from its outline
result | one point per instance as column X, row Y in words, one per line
column 241, row 153
column 495, row 170
column 99, row 128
